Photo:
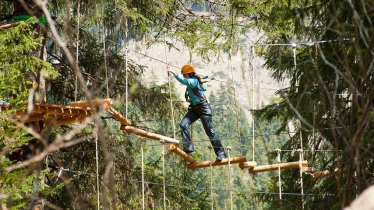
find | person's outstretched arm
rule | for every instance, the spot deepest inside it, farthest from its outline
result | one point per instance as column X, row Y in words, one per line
column 188, row 82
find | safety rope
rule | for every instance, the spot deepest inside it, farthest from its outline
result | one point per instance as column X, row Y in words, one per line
column 214, row 189
column 126, row 69
column 279, row 175
column 172, row 116
column 301, row 177
column 235, row 103
column 253, row 101
column 163, row 174
column 105, row 59
column 310, row 43
column 176, row 67
column 77, row 53
column 238, row 191
column 97, row 170
column 301, row 154
column 170, row 95
column 294, row 54
column 211, row 176
column 143, row 197
column 228, row 149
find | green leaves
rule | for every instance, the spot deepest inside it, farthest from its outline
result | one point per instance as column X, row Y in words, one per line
column 18, row 62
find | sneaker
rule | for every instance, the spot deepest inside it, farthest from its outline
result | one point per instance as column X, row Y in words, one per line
column 221, row 156
column 188, row 152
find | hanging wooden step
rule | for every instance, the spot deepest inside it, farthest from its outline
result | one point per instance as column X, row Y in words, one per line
column 91, row 103
column 68, row 121
column 117, row 116
column 274, row 167
column 226, row 161
column 140, row 132
column 325, row 173
column 44, row 111
column 249, row 164
column 106, row 106
column 176, row 150
column 9, row 25
column 76, row 112
column 52, row 114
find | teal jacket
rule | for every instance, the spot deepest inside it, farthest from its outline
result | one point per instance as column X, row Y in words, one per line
column 194, row 89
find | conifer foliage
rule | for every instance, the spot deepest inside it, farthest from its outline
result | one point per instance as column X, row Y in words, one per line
column 323, row 48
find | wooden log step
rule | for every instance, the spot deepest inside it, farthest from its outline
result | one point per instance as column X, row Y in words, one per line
column 175, row 149
column 325, row 173
column 9, row 25
column 117, row 116
column 140, row 132
column 91, row 103
column 206, row 164
column 274, row 167
column 67, row 121
column 248, row 164
column 55, row 109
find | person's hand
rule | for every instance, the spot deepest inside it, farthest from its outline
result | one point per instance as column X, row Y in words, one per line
column 170, row 72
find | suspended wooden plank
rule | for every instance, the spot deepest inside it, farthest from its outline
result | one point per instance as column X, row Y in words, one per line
column 44, row 111
column 49, row 114
column 248, row 164
column 308, row 170
column 274, row 167
column 175, row 149
column 91, row 103
column 31, row 117
column 10, row 25
column 68, row 121
column 36, row 126
column 58, row 112
column 140, row 132
column 55, row 109
column 325, row 173
column 117, row 116
column 206, row 164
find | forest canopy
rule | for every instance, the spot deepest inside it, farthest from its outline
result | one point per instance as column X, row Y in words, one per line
column 61, row 51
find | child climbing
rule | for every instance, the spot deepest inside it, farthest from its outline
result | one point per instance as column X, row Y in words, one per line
column 199, row 108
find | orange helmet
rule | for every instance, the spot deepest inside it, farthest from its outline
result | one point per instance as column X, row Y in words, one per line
column 186, row 69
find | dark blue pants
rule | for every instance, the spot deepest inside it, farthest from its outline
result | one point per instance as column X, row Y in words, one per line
column 204, row 113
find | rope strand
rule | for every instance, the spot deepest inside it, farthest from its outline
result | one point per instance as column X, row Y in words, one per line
column 211, row 177
column 163, row 174
column 279, row 176
column 97, row 170
column 143, row 188
column 105, row 61
column 229, row 172
column 235, row 103
column 126, row 70
column 253, row 103
column 77, row 54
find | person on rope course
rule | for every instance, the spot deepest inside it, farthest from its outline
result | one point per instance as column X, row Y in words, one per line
column 199, row 108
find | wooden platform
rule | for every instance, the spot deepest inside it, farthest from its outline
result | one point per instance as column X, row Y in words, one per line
column 193, row 164
column 9, row 25
column 53, row 114
column 321, row 174
column 176, row 150
column 208, row 163
column 275, row 167
column 147, row 134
